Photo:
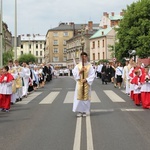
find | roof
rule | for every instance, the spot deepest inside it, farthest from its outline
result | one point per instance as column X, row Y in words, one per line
column 116, row 17
column 32, row 37
column 100, row 31
column 65, row 26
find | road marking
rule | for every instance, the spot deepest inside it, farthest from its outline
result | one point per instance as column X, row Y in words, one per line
column 131, row 109
column 57, row 89
column 70, row 96
column 113, row 96
column 49, row 98
column 89, row 134
column 29, row 98
column 77, row 138
column 94, row 97
column 102, row 110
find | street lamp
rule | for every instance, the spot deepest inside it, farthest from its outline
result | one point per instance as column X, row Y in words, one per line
column 1, row 35
column 132, row 53
column 15, row 37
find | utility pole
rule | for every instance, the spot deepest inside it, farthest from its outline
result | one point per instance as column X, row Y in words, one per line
column 1, row 35
column 15, row 37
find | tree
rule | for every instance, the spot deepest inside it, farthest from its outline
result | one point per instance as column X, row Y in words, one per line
column 27, row 58
column 8, row 55
column 134, row 30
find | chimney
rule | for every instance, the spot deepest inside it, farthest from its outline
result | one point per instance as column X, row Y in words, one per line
column 71, row 23
column 90, row 25
column 121, row 13
column 112, row 13
column 105, row 26
column 104, row 13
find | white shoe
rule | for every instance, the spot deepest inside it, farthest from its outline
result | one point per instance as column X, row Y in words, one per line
column 84, row 114
column 79, row 114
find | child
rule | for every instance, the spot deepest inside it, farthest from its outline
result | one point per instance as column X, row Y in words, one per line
column 145, row 89
column 6, row 89
column 137, row 88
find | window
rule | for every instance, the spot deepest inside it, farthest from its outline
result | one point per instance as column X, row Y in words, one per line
column 103, row 55
column 29, row 46
column 55, row 59
column 66, row 34
column 93, row 44
column 65, row 58
column 21, row 52
column 98, row 44
column 103, row 43
column 40, row 46
column 55, row 34
column 36, row 46
column 55, row 42
column 65, row 50
column 40, row 60
column 21, row 46
column 64, row 42
column 36, row 53
column 93, row 56
column 98, row 56
column 40, row 53
column 55, row 50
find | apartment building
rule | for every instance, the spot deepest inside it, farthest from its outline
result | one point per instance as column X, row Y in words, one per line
column 105, row 37
column 33, row 44
column 99, row 44
column 74, row 46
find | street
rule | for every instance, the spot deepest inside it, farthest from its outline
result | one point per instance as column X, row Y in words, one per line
column 45, row 121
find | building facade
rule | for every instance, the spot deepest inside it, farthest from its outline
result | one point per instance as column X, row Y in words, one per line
column 33, row 44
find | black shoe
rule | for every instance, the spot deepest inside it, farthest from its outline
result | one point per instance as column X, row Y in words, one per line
column 105, row 82
column 12, row 103
column 20, row 99
column 17, row 100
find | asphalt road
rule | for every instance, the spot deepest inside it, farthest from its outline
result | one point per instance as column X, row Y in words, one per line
column 45, row 121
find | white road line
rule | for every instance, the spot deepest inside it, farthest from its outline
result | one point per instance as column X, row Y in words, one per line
column 102, row 110
column 49, row 98
column 113, row 96
column 77, row 138
column 131, row 109
column 89, row 134
column 70, row 96
column 29, row 98
column 57, row 89
column 94, row 97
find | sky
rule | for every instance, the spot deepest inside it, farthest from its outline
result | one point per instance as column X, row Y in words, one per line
column 38, row 16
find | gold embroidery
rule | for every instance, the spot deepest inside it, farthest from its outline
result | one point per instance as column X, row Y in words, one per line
column 83, row 89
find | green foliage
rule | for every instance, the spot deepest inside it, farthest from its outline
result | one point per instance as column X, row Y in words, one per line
column 7, row 56
column 134, row 30
column 27, row 58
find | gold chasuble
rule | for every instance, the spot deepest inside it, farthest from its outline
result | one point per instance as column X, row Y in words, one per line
column 12, row 71
column 83, row 90
column 19, row 79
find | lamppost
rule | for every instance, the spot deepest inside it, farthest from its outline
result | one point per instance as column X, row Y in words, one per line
column 15, row 37
column 132, row 53
column 1, row 35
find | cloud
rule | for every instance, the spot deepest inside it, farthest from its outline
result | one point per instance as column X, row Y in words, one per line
column 38, row 16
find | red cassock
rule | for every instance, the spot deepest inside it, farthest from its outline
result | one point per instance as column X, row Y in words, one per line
column 5, row 93
column 145, row 91
column 136, row 92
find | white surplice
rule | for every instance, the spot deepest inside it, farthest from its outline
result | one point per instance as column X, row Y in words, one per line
column 82, row 105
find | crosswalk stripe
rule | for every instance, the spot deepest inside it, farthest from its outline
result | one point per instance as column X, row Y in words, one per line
column 94, row 97
column 49, row 98
column 29, row 98
column 131, row 109
column 70, row 96
column 113, row 96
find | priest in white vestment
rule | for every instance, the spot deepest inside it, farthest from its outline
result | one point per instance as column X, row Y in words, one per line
column 82, row 96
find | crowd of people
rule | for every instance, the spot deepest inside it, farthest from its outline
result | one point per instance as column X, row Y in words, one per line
column 17, row 81
column 134, row 77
